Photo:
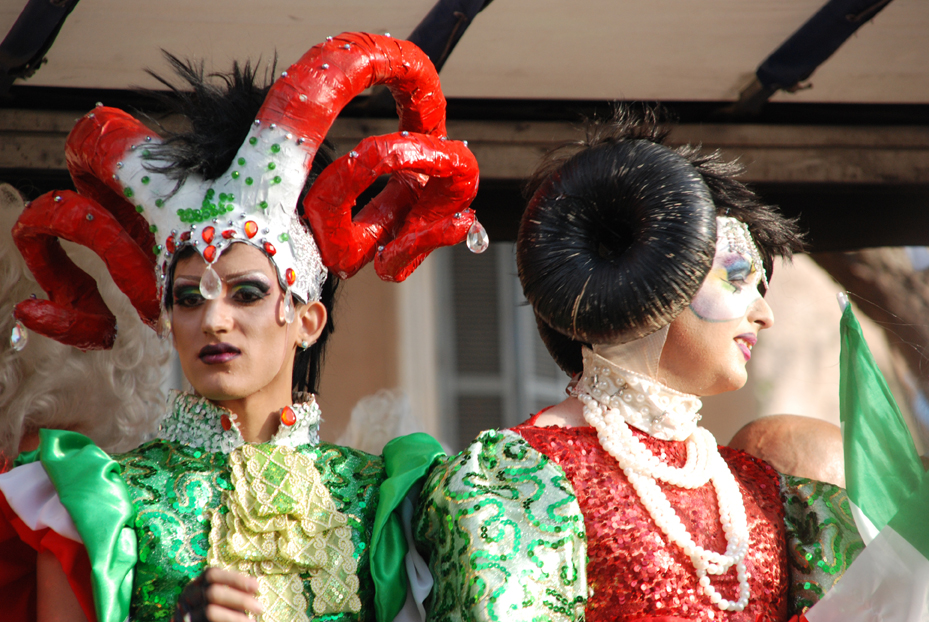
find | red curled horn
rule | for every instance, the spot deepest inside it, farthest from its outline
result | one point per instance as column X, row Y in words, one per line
column 99, row 218
column 75, row 314
column 433, row 180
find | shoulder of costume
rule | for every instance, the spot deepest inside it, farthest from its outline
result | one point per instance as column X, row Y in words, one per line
column 501, row 484
column 70, row 491
column 738, row 459
column 822, row 539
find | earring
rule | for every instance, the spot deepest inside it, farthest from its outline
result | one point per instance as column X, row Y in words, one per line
column 305, row 344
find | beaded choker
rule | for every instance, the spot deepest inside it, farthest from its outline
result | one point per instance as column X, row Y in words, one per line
column 198, row 422
column 643, row 403
column 610, row 394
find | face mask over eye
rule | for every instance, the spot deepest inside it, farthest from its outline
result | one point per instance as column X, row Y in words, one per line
column 731, row 286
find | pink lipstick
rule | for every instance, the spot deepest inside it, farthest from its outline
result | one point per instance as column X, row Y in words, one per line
column 746, row 342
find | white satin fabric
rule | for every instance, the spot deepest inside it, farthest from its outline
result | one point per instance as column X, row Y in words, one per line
column 32, row 496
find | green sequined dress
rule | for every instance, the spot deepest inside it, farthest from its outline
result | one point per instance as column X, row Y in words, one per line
column 318, row 524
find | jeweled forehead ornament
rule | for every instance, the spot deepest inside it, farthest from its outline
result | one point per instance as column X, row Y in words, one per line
column 733, row 234
column 137, row 219
column 253, row 202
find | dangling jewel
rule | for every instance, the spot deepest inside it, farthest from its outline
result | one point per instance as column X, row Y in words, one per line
column 290, row 313
column 211, row 287
column 164, row 324
column 477, row 238
column 19, row 336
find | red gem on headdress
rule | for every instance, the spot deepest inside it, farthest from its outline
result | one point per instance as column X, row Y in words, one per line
column 226, row 422
column 169, row 244
column 251, row 228
column 208, row 234
column 290, row 276
column 269, row 248
column 185, row 236
column 209, row 253
column 288, row 416
column 229, row 233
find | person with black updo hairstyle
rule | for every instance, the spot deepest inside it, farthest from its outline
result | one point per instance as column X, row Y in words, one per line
column 646, row 267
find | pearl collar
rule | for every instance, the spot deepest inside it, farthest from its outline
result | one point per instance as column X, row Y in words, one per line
column 198, row 422
column 643, row 403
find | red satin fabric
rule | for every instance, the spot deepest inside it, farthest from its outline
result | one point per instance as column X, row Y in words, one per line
column 19, row 546
column 634, row 571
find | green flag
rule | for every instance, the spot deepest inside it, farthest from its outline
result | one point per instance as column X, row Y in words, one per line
column 889, row 581
column 882, row 467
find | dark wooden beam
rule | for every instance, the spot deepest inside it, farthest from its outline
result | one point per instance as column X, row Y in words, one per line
column 852, row 187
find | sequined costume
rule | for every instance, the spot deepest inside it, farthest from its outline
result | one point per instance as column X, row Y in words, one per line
column 510, row 520
column 304, row 517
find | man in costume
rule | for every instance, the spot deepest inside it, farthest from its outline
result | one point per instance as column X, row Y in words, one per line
column 646, row 267
column 205, row 234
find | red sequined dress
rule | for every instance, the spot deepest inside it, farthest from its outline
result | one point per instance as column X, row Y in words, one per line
column 535, row 524
column 633, row 570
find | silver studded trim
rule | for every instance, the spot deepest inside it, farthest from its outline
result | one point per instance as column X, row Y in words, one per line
column 197, row 422
column 644, row 403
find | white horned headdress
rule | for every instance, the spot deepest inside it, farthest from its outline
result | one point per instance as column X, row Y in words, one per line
column 136, row 217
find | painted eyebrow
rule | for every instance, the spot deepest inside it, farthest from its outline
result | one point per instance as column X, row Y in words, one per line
column 248, row 274
column 234, row 277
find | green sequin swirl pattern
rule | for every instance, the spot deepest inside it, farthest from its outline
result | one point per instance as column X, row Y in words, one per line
column 172, row 485
column 505, row 535
column 822, row 540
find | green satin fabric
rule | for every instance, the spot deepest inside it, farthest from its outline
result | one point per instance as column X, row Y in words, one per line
column 27, row 457
column 408, row 460
column 90, row 487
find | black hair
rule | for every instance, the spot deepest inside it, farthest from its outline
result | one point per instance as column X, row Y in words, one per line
column 602, row 214
column 219, row 109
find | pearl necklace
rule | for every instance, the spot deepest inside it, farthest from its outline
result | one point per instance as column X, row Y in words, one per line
column 642, row 468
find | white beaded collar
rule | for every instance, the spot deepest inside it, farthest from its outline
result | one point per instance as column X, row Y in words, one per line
column 644, row 403
column 198, row 422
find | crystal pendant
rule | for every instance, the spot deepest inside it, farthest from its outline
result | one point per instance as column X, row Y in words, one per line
column 211, row 287
column 164, row 324
column 289, row 312
column 477, row 238
column 19, row 337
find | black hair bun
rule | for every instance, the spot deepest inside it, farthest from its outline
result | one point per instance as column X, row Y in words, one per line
column 614, row 244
